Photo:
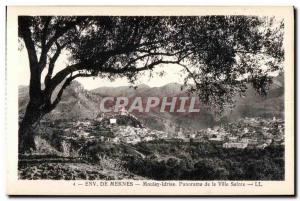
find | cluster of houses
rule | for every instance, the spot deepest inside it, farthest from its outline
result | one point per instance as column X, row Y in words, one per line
column 132, row 135
column 116, row 128
column 248, row 132
column 245, row 133
column 125, row 128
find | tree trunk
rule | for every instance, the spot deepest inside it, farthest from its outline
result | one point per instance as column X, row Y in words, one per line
column 27, row 128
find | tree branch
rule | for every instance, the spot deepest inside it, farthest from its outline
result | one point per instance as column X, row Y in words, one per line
column 59, row 32
column 25, row 33
column 190, row 72
column 148, row 56
column 61, row 75
column 35, row 75
column 137, row 69
column 45, row 31
column 68, row 81
column 52, row 63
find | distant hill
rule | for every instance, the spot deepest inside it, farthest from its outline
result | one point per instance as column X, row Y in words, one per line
column 253, row 105
column 121, row 91
column 80, row 103
column 76, row 102
column 141, row 90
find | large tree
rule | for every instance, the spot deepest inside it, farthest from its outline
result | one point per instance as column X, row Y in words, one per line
column 219, row 54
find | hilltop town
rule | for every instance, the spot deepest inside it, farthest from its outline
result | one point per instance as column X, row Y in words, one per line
column 123, row 127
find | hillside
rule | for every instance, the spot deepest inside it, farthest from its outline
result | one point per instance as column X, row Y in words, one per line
column 78, row 103
column 254, row 105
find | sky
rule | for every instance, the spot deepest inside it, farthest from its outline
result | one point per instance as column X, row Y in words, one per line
column 173, row 74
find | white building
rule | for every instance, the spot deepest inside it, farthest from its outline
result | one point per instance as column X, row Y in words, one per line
column 238, row 145
column 233, row 138
column 148, row 138
column 112, row 121
column 249, row 140
column 82, row 133
column 216, row 139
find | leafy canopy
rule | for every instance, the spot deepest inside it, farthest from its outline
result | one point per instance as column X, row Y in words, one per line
column 219, row 55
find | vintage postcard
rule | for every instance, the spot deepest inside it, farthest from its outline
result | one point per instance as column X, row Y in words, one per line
column 150, row 101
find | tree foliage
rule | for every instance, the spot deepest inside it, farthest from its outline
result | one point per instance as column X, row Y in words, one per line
column 220, row 54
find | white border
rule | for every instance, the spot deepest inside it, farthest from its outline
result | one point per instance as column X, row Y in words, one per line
column 103, row 2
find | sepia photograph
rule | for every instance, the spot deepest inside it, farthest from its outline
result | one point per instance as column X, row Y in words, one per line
column 154, row 99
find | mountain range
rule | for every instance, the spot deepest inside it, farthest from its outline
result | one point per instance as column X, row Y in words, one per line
column 79, row 103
